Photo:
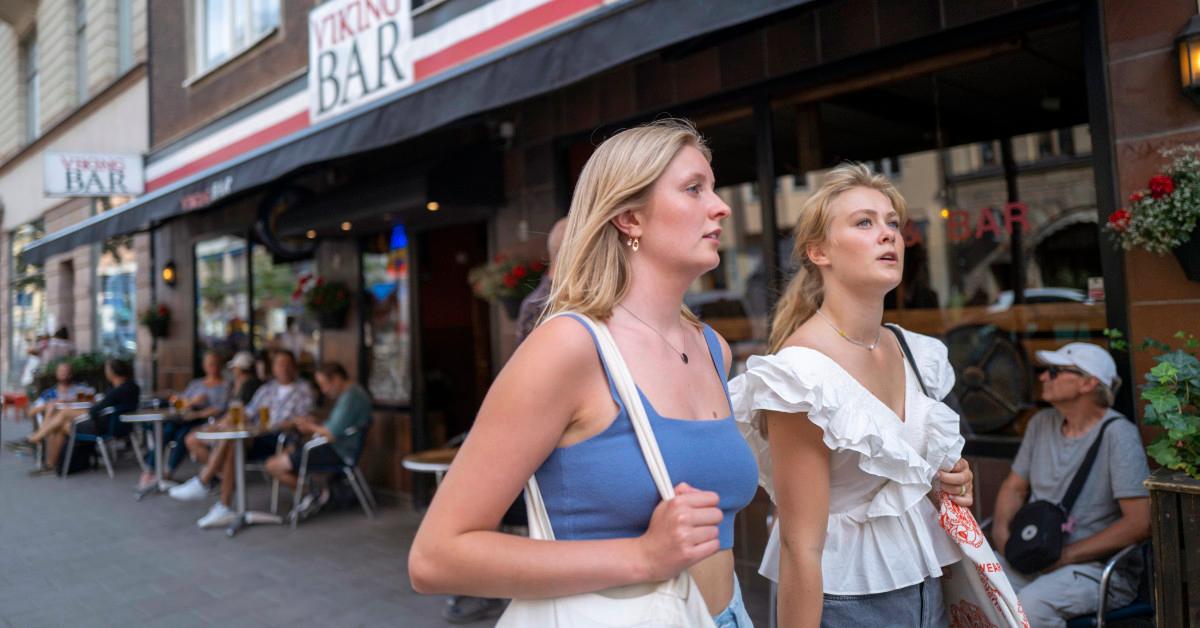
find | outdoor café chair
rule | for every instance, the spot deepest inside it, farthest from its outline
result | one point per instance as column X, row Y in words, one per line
column 348, row 468
column 116, row 430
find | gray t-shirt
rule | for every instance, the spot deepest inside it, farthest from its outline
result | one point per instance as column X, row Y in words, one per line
column 1048, row 461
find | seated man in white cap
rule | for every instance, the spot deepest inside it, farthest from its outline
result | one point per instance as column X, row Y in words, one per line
column 1111, row 511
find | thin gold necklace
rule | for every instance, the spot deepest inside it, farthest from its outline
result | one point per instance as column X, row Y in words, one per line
column 867, row 346
column 683, row 356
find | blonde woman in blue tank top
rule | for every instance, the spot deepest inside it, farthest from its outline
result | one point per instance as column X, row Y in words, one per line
column 644, row 224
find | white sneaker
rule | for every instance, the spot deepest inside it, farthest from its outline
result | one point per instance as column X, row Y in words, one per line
column 191, row 491
column 219, row 515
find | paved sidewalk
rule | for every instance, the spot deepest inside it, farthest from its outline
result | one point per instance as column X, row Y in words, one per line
column 82, row 552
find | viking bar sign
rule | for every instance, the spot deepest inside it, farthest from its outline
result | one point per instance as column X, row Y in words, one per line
column 358, row 51
column 91, row 174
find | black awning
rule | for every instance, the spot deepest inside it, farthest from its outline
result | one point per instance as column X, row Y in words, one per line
column 545, row 62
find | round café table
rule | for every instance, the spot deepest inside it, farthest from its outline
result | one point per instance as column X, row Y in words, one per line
column 435, row 461
column 244, row 517
column 156, row 418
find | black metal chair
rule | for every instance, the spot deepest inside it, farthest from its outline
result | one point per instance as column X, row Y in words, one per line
column 348, row 468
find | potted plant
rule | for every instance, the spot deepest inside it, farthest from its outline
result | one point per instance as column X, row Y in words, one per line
column 1164, row 217
column 157, row 319
column 507, row 280
column 328, row 301
column 1172, row 393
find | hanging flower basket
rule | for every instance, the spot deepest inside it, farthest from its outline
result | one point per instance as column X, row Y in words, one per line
column 506, row 280
column 1165, row 217
column 329, row 302
column 157, row 320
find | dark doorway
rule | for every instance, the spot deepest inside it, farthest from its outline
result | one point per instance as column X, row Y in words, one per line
column 454, row 334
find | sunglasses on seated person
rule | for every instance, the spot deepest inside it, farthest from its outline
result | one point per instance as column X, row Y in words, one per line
column 1054, row 371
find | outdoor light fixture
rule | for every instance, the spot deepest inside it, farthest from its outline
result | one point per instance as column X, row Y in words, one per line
column 168, row 274
column 1188, row 45
column 310, row 234
column 432, row 206
column 346, row 226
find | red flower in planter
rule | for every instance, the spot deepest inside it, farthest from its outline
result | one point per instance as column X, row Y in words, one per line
column 537, row 267
column 1119, row 219
column 1161, row 185
column 162, row 310
column 510, row 281
column 519, row 272
column 1135, row 197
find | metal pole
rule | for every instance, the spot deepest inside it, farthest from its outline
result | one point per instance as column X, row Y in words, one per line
column 1016, row 250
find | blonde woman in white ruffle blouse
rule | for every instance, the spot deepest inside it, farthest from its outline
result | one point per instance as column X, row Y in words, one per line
column 848, row 445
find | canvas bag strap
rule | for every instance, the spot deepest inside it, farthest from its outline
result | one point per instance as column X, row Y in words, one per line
column 535, row 506
column 1085, row 469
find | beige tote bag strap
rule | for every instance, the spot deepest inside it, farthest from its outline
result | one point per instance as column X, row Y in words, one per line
column 535, row 506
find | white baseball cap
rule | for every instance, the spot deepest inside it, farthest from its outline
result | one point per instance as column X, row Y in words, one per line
column 1089, row 358
column 243, row 360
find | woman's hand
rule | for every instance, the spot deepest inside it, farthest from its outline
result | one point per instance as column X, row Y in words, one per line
column 958, row 483
column 682, row 532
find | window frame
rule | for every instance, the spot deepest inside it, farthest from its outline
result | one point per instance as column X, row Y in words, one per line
column 202, row 66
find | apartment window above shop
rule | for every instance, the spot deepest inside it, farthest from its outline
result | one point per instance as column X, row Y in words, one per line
column 225, row 28
column 81, row 58
column 29, row 63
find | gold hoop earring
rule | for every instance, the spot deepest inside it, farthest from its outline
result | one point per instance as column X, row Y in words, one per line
column 635, row 243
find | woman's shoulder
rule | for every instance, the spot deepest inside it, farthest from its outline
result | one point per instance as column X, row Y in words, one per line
column 560, row 342
column 932, row 358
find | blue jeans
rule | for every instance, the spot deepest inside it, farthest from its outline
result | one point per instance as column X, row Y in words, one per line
column 916, row 606
column 734, row 615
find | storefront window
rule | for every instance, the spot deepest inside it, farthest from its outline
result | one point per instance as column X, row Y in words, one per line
column 28, row 302
column 279, row 321
column 222, row 299
column 116, row 306
column 386, row 333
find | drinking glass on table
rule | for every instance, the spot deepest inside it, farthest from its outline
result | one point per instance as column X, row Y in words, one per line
column 264, row 417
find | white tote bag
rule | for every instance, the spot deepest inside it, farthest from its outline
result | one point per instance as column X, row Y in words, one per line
column 976, row 591
column 674, row 603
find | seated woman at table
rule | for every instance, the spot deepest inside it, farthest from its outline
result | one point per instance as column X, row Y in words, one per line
column 122, row 398
column 204, row 398
column 343, row 430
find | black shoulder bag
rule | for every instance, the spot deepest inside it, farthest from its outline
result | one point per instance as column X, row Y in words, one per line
column 1039, row 528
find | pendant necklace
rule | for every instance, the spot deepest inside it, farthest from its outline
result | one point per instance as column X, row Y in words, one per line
column 868, row 346
column 683, row 356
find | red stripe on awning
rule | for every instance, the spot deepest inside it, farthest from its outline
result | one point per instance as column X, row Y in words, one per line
column 503, row 33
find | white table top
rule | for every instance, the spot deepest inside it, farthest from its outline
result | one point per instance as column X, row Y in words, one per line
column 426, row 467
column 230, row 435
column 76, row 405
column 143, row 417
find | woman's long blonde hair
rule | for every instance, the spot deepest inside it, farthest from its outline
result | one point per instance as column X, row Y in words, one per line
column 592, row 271
column 806, row 290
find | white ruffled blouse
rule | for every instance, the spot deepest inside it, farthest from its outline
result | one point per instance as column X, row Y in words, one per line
column 883, row 533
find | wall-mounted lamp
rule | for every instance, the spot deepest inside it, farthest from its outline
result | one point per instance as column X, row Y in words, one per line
column 168, row 274
column 346, row 226
column 432, row 206
column 1188, row 46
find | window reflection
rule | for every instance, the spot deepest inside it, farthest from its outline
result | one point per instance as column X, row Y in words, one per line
column 116, row 300
column 386, row 336
column 279, row 321
column 222, row 300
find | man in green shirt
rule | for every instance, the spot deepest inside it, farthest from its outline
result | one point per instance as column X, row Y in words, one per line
column 344, row 431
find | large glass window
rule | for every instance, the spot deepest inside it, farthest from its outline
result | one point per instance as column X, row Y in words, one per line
column 222, row 298
column 227, row 27
column 124, row 35
column 280, row 321
column 116, row 302
column 386, row 334
column 28, row 302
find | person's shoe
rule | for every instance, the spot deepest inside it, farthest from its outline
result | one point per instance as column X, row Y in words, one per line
column 41, row 471
column 20, row 444
column 464, row 609
column 146, row 481
column 218, row 516
column 191, row 491
column 312, row 503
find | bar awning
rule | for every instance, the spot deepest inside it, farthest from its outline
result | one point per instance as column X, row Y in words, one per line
column 568, row 53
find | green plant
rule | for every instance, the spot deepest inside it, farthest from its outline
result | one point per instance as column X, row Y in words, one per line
column 1163, row 216
column 87, row 367
column 505, row 278
column 1173, row 391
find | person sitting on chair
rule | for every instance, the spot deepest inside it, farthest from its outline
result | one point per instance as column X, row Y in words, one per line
column 343, row 430
column 204, row 398
column 285, row 398
column 123, row 397
column 1112, row 510
column 64, row 389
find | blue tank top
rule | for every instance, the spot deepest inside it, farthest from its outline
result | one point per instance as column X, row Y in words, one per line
column 600, row 488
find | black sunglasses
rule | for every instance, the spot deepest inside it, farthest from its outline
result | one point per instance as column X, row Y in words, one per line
column 1055, row 370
